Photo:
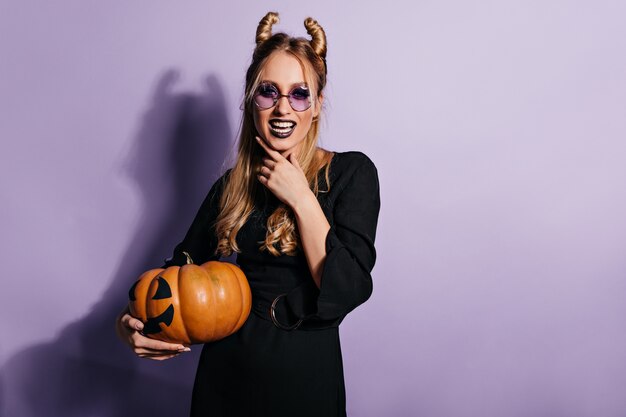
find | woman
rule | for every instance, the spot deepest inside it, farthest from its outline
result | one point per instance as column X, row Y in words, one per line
column 302, row 221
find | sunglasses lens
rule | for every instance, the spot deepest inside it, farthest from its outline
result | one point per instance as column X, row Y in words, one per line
column 265, row 96
column 300, row 99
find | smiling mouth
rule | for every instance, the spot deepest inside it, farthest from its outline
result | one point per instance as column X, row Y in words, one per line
column 281, row 128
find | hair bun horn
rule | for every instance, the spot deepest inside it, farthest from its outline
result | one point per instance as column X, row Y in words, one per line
column 318, row 36
column 264, row 30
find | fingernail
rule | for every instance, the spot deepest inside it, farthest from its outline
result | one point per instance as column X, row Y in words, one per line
column 187, row 349
column 138, row 326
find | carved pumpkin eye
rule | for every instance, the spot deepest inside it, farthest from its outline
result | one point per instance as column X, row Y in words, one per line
column 163, row 292
column 151, row 326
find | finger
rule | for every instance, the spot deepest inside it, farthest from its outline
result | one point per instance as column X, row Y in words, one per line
column 132, row 322
column 153, row 344
column 269, row 163
column 294, row 160
column 159, row 357
column 162, row 358
column 276, row 156
column 265, row 171
column 154, row 352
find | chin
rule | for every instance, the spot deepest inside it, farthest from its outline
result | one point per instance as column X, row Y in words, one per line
column 279, row 144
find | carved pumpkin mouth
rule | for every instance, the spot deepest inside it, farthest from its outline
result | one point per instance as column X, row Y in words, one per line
column 151, row 326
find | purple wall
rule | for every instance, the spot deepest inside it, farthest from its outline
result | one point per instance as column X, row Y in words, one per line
column 498, row 129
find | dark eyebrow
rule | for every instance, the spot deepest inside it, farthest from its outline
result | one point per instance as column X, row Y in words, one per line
column 298, row 84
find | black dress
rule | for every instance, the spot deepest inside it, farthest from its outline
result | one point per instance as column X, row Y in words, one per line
column 263, row 370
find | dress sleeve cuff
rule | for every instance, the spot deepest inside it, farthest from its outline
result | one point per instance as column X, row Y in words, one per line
column 346, row 281
column 345, row 284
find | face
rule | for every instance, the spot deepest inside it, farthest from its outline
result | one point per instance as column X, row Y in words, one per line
column 280, row 126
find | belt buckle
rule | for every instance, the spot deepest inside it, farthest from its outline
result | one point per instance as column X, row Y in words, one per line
column 276, row 322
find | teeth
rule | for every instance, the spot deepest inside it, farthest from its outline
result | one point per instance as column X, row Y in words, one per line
column 282, row 129
column 282, row 124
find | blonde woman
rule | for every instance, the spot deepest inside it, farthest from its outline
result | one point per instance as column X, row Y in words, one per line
column 302, row 221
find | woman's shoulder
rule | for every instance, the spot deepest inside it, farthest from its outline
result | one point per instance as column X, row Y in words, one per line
column 353, row 170
column 221, row 181
column 217, row 187
column 348, row 162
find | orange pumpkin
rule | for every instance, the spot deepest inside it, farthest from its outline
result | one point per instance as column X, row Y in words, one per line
column 192, row 303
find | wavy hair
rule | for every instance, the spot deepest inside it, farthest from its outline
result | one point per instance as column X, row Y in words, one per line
column 242, row 187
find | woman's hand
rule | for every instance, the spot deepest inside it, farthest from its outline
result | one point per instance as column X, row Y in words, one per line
column 283, row 176
column 128, row 329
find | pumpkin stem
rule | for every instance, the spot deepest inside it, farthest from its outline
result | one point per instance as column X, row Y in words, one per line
column 189, row 261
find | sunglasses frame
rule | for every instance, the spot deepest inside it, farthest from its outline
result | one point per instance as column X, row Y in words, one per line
column 279, row 96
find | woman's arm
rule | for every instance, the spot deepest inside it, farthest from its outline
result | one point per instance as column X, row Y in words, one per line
column 340, row 257
column 284, row 177
column 201, row 242
column 313, row 228
column 345, row 271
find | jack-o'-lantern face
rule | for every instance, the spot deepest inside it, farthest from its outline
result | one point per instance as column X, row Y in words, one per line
column 191, row 304
column 163, row 292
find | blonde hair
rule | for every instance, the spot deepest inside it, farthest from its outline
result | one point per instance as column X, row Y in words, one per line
column 242, row 187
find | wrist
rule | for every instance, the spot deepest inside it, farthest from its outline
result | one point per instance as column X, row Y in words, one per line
column 303, row 202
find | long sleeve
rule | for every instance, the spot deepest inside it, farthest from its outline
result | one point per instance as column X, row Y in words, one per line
column 350, row 254
column 201, row 241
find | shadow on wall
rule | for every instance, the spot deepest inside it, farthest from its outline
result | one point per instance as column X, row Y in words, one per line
column 178, row 153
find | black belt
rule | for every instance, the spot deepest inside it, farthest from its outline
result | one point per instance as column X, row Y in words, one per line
column 290, row 310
